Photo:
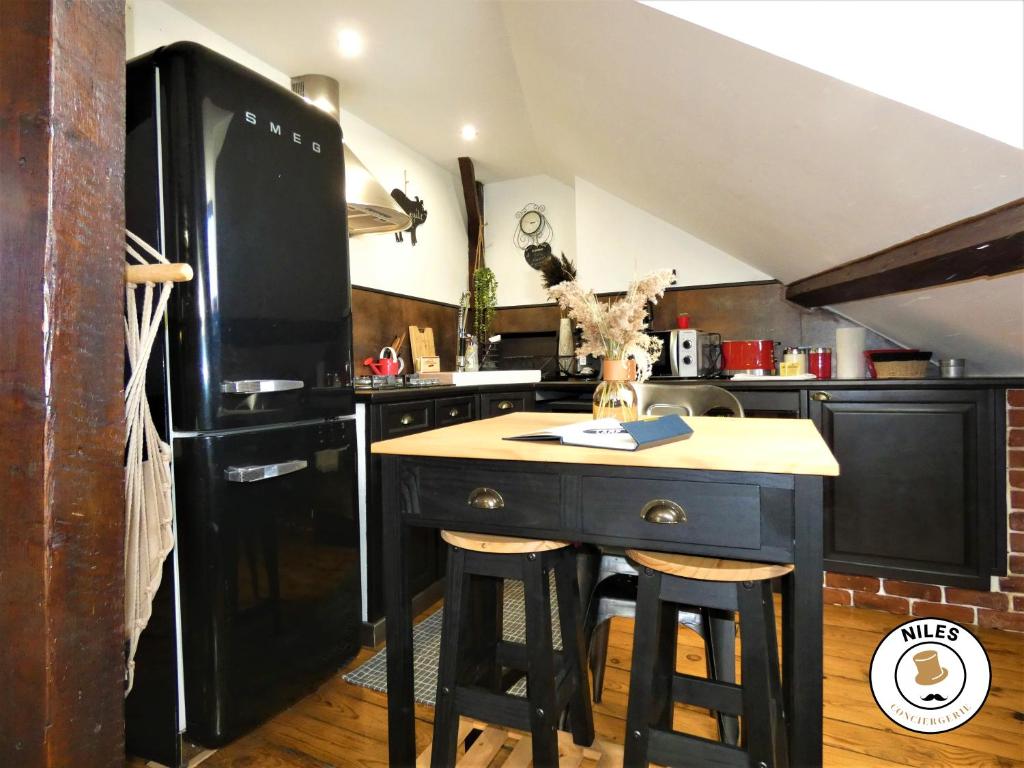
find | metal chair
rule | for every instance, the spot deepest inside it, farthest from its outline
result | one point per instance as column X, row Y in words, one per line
column 614, row 585
column 686, row 400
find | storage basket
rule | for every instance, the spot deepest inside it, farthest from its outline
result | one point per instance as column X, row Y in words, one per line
column 901, row 369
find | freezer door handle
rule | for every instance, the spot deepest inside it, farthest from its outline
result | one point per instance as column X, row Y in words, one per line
column 263, row 471
column 256, row 386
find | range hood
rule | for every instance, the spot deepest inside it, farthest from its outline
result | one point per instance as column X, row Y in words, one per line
column 370, row 208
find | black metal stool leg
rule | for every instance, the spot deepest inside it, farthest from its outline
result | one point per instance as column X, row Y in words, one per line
column 758, row 720
column 646, row 635
column 456, row 606
column 571, row 623
column 540, row 678
column 599, row 656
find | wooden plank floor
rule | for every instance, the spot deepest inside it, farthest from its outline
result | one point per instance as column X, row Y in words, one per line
column 346, row 725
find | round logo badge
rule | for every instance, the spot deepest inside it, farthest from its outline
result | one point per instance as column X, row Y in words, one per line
column 930, row 675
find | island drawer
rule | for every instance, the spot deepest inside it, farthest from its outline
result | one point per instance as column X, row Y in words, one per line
column 702, row 513
column 398, row 419
column 469, row 495
column 454, row 410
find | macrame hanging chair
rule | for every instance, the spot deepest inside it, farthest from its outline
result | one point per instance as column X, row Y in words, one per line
column 149, row 535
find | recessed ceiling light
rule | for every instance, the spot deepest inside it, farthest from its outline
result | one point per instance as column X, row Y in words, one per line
column 350, row 43
column 469, row 132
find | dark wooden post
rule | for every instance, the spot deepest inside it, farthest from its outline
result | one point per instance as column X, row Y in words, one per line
column 61, row 376
column 473, row 193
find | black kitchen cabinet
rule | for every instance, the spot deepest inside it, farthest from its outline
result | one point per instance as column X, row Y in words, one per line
column 386, row 421
column 395, row 413
column 500, row 403
column 455, row 410
column 919, row 496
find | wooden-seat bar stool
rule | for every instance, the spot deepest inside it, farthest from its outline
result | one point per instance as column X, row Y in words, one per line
column 665, row 582
column 471, row 681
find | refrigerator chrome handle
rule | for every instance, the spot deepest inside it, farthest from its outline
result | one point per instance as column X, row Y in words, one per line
column 263, row 471
column 255, row 386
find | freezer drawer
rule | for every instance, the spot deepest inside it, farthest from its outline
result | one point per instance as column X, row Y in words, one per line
column 269, row 549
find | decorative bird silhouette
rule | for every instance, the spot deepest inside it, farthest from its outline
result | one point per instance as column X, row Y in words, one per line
column 415, row 210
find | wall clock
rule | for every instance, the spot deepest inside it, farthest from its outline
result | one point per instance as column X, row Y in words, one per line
column 533, row 235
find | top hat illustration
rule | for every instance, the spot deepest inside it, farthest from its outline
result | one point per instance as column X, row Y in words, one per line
column 928, row 670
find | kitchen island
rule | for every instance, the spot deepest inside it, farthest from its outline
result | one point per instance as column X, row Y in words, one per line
column 751, row 489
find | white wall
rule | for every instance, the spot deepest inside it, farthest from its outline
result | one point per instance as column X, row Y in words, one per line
column 436, row 267
column 618, row 242
column 611, row 241
column 518, row 282
column 151, row 23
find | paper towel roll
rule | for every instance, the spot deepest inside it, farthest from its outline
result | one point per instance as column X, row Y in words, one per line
column 850, row 353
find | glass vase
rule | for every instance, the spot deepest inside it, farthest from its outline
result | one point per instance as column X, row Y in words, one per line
column 615, row 396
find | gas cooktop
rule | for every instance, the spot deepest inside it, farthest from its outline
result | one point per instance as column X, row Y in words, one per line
column 412, row 381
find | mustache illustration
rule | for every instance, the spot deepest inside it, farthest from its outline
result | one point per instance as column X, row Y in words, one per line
column 933, row 697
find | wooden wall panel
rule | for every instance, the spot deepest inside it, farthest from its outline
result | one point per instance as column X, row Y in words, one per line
column 377, row 317
column 748, row 311
column 61, row 378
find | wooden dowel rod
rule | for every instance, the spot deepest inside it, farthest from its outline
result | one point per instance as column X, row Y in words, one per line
column 157, row 273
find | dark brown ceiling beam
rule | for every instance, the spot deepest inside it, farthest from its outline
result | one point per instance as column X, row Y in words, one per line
column 983, row 246
column 473, row 194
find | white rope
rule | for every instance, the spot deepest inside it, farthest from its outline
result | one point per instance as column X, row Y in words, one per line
column 148, row 515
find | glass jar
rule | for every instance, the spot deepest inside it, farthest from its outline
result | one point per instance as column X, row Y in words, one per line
column 615, row 396
column 821, row 362
column 472, row 360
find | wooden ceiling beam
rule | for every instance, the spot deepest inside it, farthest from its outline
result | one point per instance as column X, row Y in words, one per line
column 982, row 246
column 473, row 194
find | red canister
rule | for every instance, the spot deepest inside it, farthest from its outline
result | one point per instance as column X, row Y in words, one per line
column 820, row 362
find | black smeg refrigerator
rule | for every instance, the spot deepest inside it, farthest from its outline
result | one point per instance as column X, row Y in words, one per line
column 243, row 180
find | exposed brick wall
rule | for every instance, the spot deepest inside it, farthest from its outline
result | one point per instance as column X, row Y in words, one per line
column 1003, row 607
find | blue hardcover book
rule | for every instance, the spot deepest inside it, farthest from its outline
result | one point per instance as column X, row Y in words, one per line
column 610, row 433
column 648, row 433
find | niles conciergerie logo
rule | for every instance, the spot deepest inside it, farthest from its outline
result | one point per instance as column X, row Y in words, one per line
column 930, row 675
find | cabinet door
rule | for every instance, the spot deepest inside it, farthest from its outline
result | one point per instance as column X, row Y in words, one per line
column 915, row 498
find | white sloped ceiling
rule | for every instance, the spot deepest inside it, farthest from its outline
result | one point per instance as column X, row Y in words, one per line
column 784, row 168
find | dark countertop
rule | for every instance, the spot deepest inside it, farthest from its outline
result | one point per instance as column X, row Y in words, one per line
column 779, row 382
column 445, row 390
column 766, row 383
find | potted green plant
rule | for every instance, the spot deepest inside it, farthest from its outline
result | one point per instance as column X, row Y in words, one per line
column 485, row 299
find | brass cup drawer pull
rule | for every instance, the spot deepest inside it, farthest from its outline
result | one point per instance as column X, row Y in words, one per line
column 821, row 397
column 406, row 419
column 485, row 498
column 663, row 511
column 505, row 405
column 453, row 412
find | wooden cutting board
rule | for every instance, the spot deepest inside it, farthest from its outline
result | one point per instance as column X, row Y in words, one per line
column 421, row 343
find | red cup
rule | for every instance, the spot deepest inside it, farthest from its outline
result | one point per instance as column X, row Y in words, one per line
column 682, row 321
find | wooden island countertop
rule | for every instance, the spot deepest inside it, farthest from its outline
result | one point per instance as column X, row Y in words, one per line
column 781, row 446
